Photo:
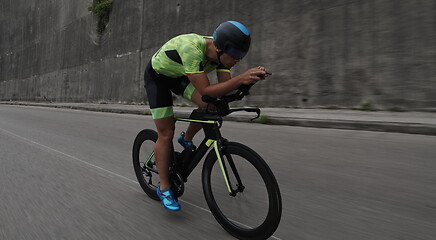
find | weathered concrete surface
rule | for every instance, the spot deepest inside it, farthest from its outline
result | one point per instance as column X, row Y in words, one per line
column 322, row 53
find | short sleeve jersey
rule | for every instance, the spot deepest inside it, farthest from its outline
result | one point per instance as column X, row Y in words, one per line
column 184, row 55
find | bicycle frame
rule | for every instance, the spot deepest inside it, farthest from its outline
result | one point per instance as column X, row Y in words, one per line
column 212, row 134
column 213, row 137
column 225, row 153
column 212, row 121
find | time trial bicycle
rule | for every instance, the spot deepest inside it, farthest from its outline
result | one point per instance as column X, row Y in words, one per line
column 240, row 189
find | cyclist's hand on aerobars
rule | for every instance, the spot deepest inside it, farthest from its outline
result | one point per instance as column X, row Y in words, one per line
column 265, row 75
column 253, row 75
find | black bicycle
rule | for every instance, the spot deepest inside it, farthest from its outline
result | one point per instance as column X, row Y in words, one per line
column 240, row 188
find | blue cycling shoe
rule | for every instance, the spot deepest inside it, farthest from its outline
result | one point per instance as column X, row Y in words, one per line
column 185, row 144
column 168, row 199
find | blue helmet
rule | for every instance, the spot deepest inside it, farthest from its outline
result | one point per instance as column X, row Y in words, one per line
column 233, row 38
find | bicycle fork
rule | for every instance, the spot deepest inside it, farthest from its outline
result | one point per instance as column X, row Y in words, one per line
column 218, row 151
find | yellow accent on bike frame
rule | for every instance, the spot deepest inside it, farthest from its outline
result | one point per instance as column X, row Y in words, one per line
column 150, row 157
column 193, row 120
column 209, row 142
column 215, row 145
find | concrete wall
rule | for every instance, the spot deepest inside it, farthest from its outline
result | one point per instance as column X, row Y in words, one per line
column 322, row 53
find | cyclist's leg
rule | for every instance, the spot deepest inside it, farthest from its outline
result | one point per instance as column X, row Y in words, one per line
column 159, row 96
column 161, row 102
column 163, row 149
column 194, row 96
column 193, row 128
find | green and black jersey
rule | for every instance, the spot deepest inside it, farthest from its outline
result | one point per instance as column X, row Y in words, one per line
column 184, row 55
column 169, row 68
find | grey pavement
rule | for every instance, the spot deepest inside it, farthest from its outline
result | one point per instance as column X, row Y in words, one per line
column 412, row 122
column 68, row 174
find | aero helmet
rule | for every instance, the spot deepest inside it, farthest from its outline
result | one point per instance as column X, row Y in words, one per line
column 233, row 38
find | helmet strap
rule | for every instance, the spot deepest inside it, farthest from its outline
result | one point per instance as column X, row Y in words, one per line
column 219, row 54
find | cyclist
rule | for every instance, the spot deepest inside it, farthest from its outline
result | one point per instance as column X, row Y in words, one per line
column 181, row 66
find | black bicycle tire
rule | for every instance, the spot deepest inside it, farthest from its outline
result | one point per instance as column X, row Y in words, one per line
column 272, row 221
column 144, row 135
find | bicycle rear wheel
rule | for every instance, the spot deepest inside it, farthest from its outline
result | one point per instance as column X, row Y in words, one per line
column 254, row 211
column 144, row 162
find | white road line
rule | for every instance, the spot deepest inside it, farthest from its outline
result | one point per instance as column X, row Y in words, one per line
column 82, row 161
column 66, row 155
column 92, row 165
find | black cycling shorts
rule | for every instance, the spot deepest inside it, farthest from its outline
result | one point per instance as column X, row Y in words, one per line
column 159, row 88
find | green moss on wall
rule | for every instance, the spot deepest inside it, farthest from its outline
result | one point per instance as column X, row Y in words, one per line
column 101, row 9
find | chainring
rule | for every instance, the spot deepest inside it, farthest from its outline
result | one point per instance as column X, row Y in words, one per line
column 177, row 184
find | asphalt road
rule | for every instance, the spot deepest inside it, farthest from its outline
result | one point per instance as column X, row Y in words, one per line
column 67, row 174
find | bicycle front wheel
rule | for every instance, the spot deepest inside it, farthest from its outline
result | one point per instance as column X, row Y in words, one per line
column 242, row 192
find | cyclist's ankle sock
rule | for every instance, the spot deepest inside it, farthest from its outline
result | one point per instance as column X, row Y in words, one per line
column 163, row 190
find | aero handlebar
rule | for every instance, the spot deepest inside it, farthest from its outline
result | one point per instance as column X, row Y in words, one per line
column 222, row 103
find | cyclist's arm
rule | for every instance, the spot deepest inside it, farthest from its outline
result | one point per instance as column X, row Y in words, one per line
column 223, row 76
column 202, row 85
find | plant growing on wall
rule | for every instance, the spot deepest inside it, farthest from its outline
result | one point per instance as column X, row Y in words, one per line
column 101, row 9
column 367, row 106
